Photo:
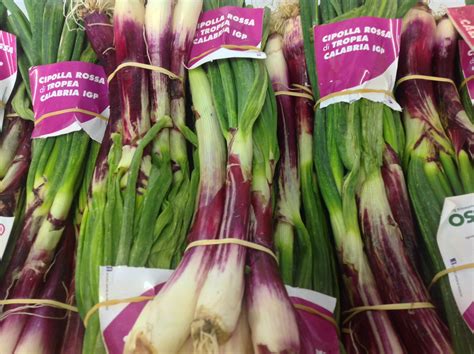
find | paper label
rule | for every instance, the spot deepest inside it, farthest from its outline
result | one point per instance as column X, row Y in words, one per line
column 463, row 19
column 319, row 335
column 440, row 7
column 117, row 321
column 227, row 32
column 6, row 227
column 466, row 56
column 8, row 70
column 456, row 244
column 360, row 53
column 69, row 85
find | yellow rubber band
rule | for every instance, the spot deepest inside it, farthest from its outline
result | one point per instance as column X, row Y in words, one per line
column 45, row 302
column 294, row 94
column 70, row 110
column 349, row 92
column 312, row 311
column 424, row 77
column 304, row 88
column 441, row 274
column 159, row 69
column 234, row 241
column 225, row 46
column 108, row 303
column 137, row 299
column 386, row 307
column 465, row 82
column 12, row 115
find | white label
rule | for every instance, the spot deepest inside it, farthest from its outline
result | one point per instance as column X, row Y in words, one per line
column 6, row 226
column 439, row 7
column 117, row 321
column 456, row 244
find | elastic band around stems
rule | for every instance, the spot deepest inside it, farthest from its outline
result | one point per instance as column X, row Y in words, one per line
column 312, row 311
column 107, row 303
column 45, row 302
column 304, row 88
column 441, row 274
column 234, row 241
column 294, row 94
column 159, row 69
column 386, row 307
column 465, row 82
column 226, row 46
column 138, row 299
column 424, row 77
column 70, row 110
column 349, row 92
column 13, row 115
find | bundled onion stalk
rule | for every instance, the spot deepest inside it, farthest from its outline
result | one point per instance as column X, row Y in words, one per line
column 56, row 169
column 165, row 323
column 438, row 154
column 175, row 186
column 131, row 204
column 15, row 155
column 288, row 23
column 289, row 221
column 239, row 88
column 44, row 329
column 271, row 315
column 357, row 148
column 210, row 297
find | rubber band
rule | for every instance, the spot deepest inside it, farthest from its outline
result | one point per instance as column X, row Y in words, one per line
column 2, row 104
column 234, row 241
column 46, row 302
column 441, row 274
column 313, row 311
column 70, row 110
column 294, row 94
column 225, row 46
column 133, row 64
column 12, row 115
column 304, row 88
column 465, row 82
column 138, row 299
column 130, row 300
column 349, row 92
column 426, row 78
column 387, row 307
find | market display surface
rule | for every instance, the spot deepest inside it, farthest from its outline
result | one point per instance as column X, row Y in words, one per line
column 236, row 176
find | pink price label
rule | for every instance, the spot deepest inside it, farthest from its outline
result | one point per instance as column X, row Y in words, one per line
column 68, row 86
column 357, row 53
column 463, row 19
column 8, row 64
column 466, row 56
column 235, row 27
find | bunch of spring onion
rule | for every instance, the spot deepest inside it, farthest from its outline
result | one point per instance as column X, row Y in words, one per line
column 357, row 149
column 142, row 192
column 165, row 322
column 439, row 143
column 302, row 260
column 44, row 332
column 271, row 315
column 56, row 168
column 15, row 153
column 203, row 298
column 169, row 37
